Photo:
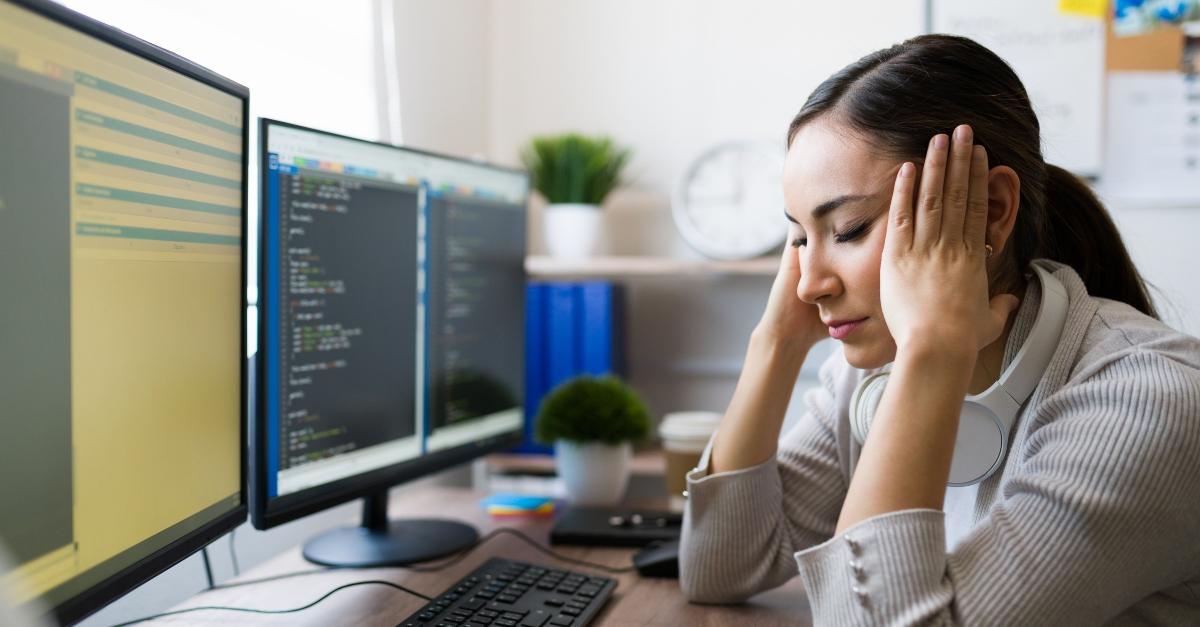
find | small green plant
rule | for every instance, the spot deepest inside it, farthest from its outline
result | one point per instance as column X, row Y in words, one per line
column 573, row 168
column 592, row 409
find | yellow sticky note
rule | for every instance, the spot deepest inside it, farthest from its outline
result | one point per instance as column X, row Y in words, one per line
column 1085, row 8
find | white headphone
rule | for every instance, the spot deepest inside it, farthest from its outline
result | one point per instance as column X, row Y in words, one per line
column 988, row 417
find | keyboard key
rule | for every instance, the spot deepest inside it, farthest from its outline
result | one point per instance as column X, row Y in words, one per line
column 473, row 603
column 496, row 606
column 487, row 613
column 555, row 601
column 512, row 616
column 571, row 611
column 504, row 622
column 562, row 621
column 536, row 618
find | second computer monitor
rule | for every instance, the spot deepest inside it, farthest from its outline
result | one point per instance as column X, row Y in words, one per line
column 392, row 331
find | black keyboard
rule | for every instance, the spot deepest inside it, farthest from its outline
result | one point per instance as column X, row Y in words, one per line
column 506, row 593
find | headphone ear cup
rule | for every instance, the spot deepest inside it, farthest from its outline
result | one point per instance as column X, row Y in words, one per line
column 863, row 404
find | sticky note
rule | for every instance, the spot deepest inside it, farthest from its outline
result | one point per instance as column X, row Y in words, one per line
column 1083, row 8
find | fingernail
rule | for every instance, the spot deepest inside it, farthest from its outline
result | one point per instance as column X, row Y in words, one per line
column 939, row 141
column 906, row 170
column 962, row 134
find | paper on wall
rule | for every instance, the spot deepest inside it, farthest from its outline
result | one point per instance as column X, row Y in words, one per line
column 1152, row 151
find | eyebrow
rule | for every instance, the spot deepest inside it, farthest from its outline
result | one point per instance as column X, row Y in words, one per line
column 827, row 207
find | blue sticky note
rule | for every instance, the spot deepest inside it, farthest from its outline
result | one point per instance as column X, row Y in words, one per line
column 516, row 501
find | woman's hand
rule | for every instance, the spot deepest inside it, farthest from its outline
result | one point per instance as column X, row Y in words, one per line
column 933, row 280
column 787, row 318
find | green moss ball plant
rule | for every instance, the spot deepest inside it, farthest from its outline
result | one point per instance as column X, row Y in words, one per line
column 592, row 409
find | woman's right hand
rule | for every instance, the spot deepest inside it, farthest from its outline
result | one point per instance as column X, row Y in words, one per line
column 788, row 319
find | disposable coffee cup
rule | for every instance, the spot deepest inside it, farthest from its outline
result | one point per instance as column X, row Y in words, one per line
column 684, row 435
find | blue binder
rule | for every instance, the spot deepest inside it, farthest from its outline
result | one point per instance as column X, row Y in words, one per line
column 570, row 329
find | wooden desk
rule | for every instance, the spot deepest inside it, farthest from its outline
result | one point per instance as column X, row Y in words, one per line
column 636, row 601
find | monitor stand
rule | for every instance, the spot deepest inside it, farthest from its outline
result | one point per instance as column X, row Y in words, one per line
column 382, row 542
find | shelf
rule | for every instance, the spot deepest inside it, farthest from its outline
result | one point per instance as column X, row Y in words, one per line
column 543, row 267
column 648, row 463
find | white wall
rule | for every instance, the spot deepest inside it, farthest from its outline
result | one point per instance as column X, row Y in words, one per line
column 444, row 77
column 1163, row 245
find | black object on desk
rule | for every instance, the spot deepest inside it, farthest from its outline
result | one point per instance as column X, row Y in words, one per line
column 508, row 593
column 607, row 526
column 660, row 559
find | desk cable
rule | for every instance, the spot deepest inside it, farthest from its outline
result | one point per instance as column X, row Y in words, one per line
column 420, row 569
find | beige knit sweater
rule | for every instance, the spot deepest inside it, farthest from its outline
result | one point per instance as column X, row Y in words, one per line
column 1094, row 518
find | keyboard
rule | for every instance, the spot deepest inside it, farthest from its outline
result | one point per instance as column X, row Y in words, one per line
column 507, row 593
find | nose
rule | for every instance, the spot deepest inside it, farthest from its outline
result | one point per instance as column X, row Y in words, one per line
column 817, row 278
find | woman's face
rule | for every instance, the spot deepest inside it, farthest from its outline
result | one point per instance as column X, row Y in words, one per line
column 838, row 189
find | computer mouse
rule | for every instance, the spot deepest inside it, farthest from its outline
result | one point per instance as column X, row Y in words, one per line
column 659, row 559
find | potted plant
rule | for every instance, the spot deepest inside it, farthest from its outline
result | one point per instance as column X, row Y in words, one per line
column 575, row 173
column 592, row 423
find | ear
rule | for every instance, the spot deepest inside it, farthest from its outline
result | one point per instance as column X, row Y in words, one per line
column 1004, row 201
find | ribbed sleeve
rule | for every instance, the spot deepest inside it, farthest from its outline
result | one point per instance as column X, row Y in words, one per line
column 742, row 528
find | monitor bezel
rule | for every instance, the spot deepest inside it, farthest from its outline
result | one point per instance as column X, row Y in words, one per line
column 262, row 514
column 111, row 588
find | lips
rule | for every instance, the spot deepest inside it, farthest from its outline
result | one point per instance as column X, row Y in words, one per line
column 839, row 329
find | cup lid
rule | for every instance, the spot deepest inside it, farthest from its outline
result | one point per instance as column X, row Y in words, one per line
column 688, row 425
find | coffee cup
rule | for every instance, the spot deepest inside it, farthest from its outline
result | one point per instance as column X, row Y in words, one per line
column 684, row 435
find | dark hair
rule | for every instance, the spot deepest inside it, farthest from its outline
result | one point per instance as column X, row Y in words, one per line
column 902, row 96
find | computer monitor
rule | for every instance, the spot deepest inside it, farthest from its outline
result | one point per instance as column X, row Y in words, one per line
column 122, row 231
column 392, row 333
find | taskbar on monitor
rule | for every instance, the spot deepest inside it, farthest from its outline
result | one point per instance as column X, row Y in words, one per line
column 354, row 463
column 331, row 469
column 467, row 431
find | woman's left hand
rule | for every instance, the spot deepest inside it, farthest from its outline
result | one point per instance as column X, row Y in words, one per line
column 933, row 279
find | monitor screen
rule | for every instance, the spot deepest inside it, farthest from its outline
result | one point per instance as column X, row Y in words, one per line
column 122, row 222
column 393, row 316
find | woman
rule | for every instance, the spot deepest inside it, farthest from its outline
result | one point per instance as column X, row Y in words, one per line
column 919, row 202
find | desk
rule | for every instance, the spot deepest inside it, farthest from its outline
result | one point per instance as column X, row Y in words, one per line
column 636, row 601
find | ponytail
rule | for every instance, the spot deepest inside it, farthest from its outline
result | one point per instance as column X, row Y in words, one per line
column 1080, row 233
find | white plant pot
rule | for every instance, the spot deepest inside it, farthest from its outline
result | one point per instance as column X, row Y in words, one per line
column 594, row 473
column 572, row 230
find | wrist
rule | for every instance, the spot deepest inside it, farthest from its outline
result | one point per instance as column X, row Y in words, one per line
column 764, row 335
column 941, row 344
column 948, row 356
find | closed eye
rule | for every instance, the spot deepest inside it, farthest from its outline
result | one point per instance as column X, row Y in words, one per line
column 854, row 232
column 849, row 235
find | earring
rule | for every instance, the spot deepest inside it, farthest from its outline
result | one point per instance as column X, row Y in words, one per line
column 987, row 251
